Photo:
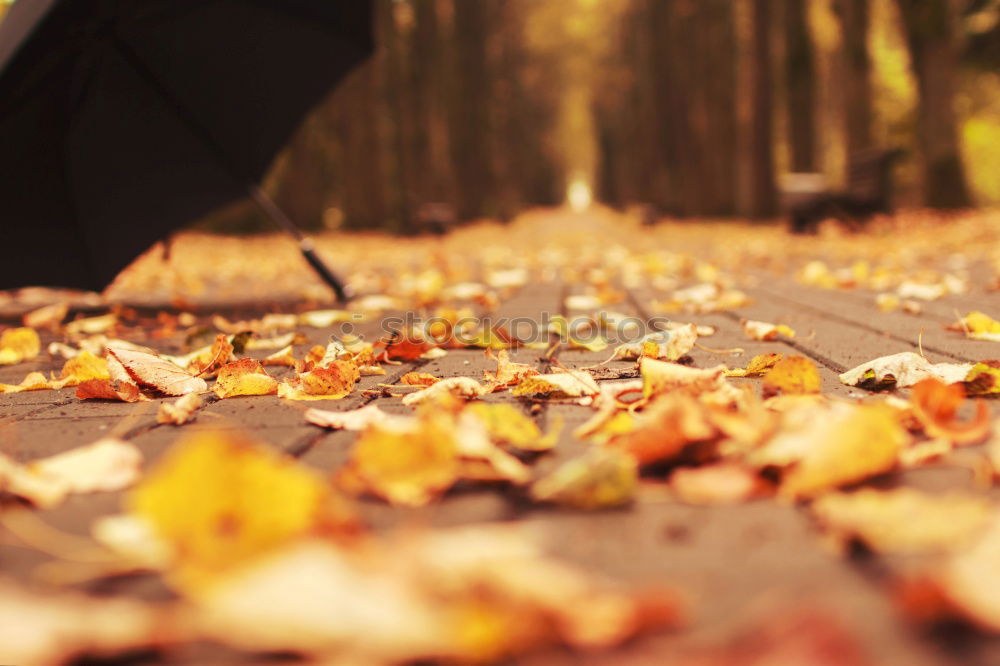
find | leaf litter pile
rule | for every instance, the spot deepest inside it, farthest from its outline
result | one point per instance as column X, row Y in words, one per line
column 334, row 543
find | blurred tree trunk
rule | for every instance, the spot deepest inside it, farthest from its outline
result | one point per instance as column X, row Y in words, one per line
column 398, row 120
column 930, row 36
column 428, row 63
column 359, row 163
column 857, row 85
column 800, row 84
column 717, row 124
column 469, row 114
column 763, row 194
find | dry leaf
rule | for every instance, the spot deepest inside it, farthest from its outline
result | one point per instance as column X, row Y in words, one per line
column 83, row 367
column 333, row 382
column 662, row 430
column 936, row 405
column 904, row 520
column 18, row 345
column 758, row 366
column 600, row 478
column 978, row 326
column 407, row 463
column 418, row 379
column 148, row 369
column 794, row 375
column 105, row 465
column 508, row 373
column 48, row 316
column 244, row 377
column 461, row 387
column 353, row 419
column 826, row 447
column 33, row 381
column 667, row 345
column 180, row 411
column 709, row 384
column 721, row 483
column 568, row 384
column 249, row 500
column 509, row 425
column 902, row 370
column 762, row 330
column 59, row 628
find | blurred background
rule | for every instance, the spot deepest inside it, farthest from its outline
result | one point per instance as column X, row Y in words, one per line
column 476, row 109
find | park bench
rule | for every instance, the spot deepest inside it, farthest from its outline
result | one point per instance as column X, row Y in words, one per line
column 868, row 192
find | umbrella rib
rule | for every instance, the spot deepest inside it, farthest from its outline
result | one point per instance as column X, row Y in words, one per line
column 259, row 197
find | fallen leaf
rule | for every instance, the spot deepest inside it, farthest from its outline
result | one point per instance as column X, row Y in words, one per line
column 407, row 463
column 902, row 370
column 668, row 345
column 567, row 384
column 148, row 369
column 244, row 377
column 983, row 378
column 352, row 419
column 825, row 447
column 904, row 520
column 762, row 330
column 59, row 628
column 792, row 375
column 418, row 379
column 461, row 387
column 978, row 326
column 709, row 384
column 758, row 366
column 720, row 483
column 663, row 429
column 936, row 405
column 249, row 500
column 33, row 381
column 48, row 316
column 105, row 465
column 18, row 345
column 600, row 478
column 180, row 411
column 91, row 325
column 81, row 368
column 281, row 357
column 510, row 426
column 333, row 382
column 507, row 373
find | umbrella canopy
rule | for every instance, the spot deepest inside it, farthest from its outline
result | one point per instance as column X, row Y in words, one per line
column 121, row 120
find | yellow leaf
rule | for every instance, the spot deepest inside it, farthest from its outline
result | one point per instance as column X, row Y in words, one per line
column 244, row 377
column 83, row 367
column 795, row 374
column 904, row 520
column 757, row 366
column 762, row 330
column 33, row 381
column 721, row 483
column 407, row 464
column 180, row 410
column 19, row 344
column 507, row 372
column 509, row 425
column 600, row 478
column 936, row 406
column 823, row 448
column 418, row 379
column 333, row 382
column 219, row 500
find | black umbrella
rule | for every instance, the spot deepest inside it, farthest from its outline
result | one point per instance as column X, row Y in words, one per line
column 121, row 120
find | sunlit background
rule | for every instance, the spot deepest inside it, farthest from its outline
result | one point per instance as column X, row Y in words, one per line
column 690, row 108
